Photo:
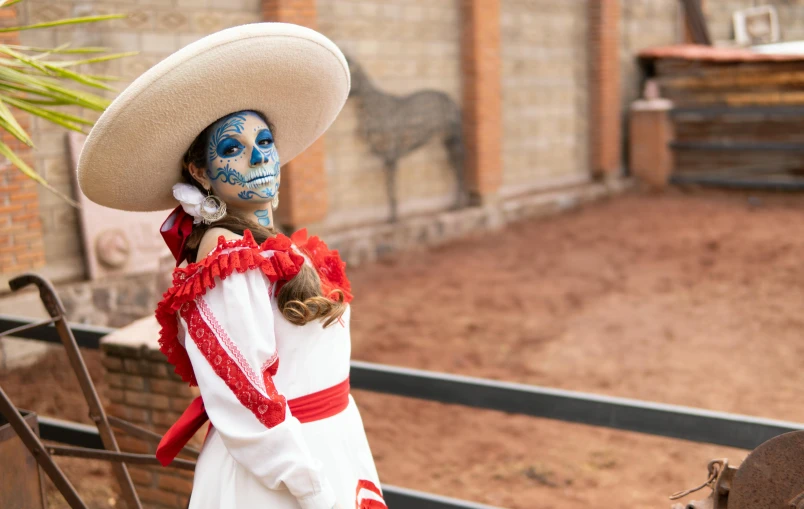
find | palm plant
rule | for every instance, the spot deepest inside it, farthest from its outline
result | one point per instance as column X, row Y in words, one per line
column 31, row 80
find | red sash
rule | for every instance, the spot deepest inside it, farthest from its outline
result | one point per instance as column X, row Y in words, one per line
column 310, row 408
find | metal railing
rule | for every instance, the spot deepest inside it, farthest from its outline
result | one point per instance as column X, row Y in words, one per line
column 687, row 423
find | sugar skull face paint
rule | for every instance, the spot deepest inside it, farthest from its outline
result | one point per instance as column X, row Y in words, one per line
column 242, row 161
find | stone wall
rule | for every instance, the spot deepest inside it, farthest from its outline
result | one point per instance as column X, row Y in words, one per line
column 544, row 90
column 403, row 46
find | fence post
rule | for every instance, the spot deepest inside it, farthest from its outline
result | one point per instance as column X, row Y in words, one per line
column 649, row 152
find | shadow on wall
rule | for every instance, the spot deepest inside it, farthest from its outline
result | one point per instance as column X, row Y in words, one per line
column 394, row 126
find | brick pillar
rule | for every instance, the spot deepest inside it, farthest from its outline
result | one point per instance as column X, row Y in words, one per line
column 605, row 128
column 482, row 100
column 303, row 193
column 21, row 244
column 143, row 389
column 650, row 156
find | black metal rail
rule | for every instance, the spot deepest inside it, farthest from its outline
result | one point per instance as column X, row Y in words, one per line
column 697, row 425
column 674, row 421
column 86, row 336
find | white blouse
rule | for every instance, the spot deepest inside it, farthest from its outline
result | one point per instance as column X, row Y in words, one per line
column 248, row 361
column 234, row 326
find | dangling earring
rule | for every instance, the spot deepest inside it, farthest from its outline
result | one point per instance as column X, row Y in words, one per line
column 212, row 208
column 275, row 200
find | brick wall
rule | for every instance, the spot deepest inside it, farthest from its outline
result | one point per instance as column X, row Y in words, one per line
column 21, row 243
column 304, row 183
column 482, row 102
column 404, row 46
column 544, row 86
column 143, row 389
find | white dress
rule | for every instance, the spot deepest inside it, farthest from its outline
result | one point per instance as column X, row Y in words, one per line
column 248, row 362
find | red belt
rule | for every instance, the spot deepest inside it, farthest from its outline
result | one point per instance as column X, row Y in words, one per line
column 310, row 408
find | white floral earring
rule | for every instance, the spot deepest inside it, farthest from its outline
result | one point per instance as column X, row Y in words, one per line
column 212, row 208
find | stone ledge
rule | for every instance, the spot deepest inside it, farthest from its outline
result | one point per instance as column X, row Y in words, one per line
column 369, row 243
column 136, row 340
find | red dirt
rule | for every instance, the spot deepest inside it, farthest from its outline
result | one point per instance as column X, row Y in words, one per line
column 688, row 299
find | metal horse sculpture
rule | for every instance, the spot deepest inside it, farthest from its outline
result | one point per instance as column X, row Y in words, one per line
column 395, row 126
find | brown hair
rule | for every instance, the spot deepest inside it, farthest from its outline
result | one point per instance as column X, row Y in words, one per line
column 300, row 299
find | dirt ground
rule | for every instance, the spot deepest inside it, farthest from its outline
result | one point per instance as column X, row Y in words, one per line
column 685, row 298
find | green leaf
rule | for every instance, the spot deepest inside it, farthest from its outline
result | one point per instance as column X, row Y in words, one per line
column 9, row 123
column 75, row 76
column 88, row 49
column 9, row 3
column 104, row 58
column 22, row 58
column 41, row 102
column 55, row 96
column 55, row 117
column 61, row 22
column 14, row 159
column 11, row 78
column 20, row 103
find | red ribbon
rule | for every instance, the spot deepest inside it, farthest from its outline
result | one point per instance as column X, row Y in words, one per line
column 175, row 230
column 310, row 408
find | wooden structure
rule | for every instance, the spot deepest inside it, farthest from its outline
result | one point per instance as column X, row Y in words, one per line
column 737, row 115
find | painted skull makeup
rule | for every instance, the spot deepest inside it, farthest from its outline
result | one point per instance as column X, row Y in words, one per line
column 242, row 161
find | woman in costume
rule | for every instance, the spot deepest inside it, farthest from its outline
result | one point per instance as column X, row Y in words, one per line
column 259, row 321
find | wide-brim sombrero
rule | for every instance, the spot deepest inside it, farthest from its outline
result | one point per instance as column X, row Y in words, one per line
column 294, row 76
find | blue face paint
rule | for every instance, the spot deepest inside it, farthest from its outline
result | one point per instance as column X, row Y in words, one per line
column 243, row 163
column 229, row 147
column 263, row 217
column 231, row 125
column 265, row 194
column 227, row 175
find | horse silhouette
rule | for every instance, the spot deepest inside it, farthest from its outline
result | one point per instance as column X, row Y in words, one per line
column 394, row 126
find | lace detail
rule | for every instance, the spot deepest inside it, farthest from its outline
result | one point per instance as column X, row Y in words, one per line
column 194, row 280
column 228, row 344
column 268, row 408
column 331, row 269
column 271, row 365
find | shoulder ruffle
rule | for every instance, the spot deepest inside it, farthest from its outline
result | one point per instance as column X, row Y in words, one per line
column 194, row 280
column 327, row 262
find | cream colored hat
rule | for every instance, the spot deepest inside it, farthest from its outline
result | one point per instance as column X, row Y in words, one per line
column 294, row 76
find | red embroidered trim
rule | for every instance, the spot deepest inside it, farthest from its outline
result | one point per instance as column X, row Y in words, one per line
column 269, row 410
column 331, row 269
column 228, row 344
column 194, row 280
column 368, row 503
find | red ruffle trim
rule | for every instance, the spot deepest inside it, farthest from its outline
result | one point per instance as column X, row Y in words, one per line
column 331, row 269
column 195, row 279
